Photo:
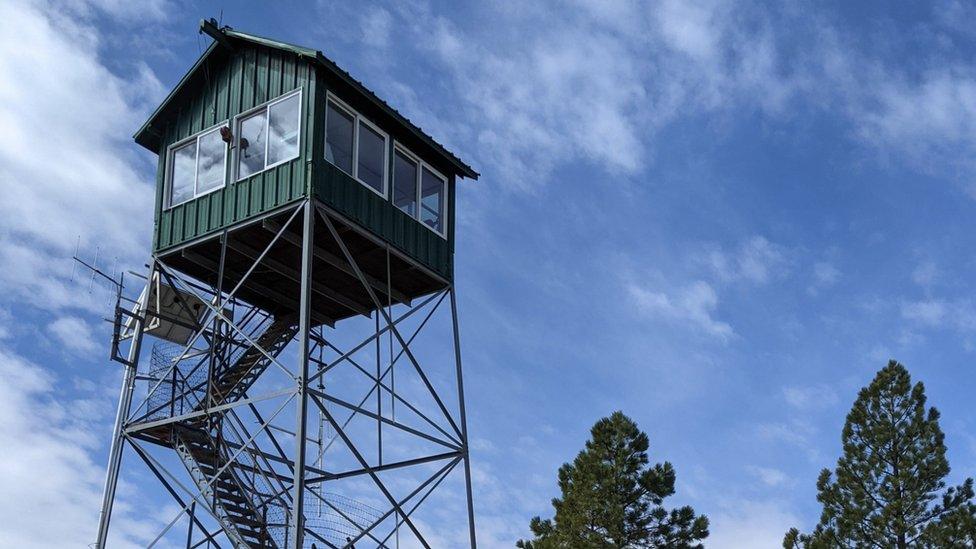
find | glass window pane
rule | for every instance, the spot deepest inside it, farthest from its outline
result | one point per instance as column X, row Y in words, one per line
column 210, row 169
column 405, row 184
column 251, row 141
column 184, row 167
column 372, row 157
column 284, row 123
column 338, row 138
column 432, row 200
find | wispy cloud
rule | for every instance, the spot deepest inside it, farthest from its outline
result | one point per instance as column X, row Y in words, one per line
column 812, row 397
column 959, row 314
column 67, row 172
column 693, row 305
column 747, row 523
column 770, row 476
column 755, row 260
column 74, row 333
column 46, row 464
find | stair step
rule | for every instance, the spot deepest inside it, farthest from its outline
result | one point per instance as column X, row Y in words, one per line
column 230, row 496
column 245, row 521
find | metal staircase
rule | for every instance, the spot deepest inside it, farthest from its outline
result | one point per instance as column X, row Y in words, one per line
column 219, row 481
column 232, row 383
column 239, row 490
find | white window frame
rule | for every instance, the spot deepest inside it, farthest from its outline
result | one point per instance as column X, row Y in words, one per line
column 195, row 138
column 421, row 166
column 266, row 107
column 357, row 119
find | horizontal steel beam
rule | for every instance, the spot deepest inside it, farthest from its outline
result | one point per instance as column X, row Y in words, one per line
column 339, row 263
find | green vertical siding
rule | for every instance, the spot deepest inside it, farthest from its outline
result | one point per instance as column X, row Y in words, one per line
column 377, row 214
column 229, row 86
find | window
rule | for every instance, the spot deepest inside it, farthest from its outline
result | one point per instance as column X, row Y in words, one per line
column 372, row 158
column 196, row 166
column 419, row 190
column 432, row 189
column 269, row 136
column 338, row 137
column 284, row 118
column 356, row 146
column 405, row 183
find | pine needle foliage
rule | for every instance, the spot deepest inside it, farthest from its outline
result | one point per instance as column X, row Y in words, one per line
column 889, row 489
column 613, row 499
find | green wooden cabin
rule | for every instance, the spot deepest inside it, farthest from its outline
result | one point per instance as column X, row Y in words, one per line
column 257, row 126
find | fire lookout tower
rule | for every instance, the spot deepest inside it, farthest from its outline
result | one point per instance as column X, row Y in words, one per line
column 304, row 382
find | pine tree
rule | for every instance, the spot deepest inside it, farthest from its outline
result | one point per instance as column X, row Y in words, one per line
column 885, row 491
column 611, row 498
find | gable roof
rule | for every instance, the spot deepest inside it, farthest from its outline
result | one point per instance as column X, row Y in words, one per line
column 147, row 136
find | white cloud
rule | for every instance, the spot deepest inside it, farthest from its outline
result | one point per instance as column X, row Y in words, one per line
column 601, row 81
column 795, row 432
column 770, row 476
column 596, row 83
column 929, row 119
column 959, row 315
column 825, row 274
column 68, row 171
column 755, row 260
column 809, row 398
column 693, row 304
column 376, row 26
column 74, row 333
column 929, row 312
column 748, row 523
column 51, row 485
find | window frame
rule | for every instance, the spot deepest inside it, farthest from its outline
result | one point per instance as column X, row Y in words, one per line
column 421, row 166
column 357, row 119
column 266, row 107
column 195, row 139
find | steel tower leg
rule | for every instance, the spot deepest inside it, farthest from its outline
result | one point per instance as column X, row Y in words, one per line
column 296, row 540
column 125, row 401
column 464, row 419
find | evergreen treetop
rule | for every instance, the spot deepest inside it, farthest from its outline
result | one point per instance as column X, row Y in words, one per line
column 612, row 498
column 888, row 489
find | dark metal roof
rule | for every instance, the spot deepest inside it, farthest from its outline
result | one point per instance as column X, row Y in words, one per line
column 145, row 135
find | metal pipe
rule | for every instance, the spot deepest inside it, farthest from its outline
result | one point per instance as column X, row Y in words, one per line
column 304, row 325
column 464, row 419
column 118, row 441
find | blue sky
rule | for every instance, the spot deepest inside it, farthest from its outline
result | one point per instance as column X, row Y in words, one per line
column 719, row 217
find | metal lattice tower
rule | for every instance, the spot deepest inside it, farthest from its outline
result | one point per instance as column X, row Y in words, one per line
column 284, row 427
column 292, row 367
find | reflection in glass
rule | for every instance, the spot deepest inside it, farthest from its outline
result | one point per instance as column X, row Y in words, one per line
column 338, row 138
column 372, row 157
column 184, row 171
column 210, row 168
column 405, row 184
column 284, row 119
column 432, row 200
column 251, row 144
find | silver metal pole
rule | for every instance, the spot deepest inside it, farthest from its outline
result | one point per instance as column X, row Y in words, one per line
column 464, row 419
column 296, row 540
column 125, row 401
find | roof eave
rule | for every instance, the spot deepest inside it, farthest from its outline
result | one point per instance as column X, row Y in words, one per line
column 142, row 136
